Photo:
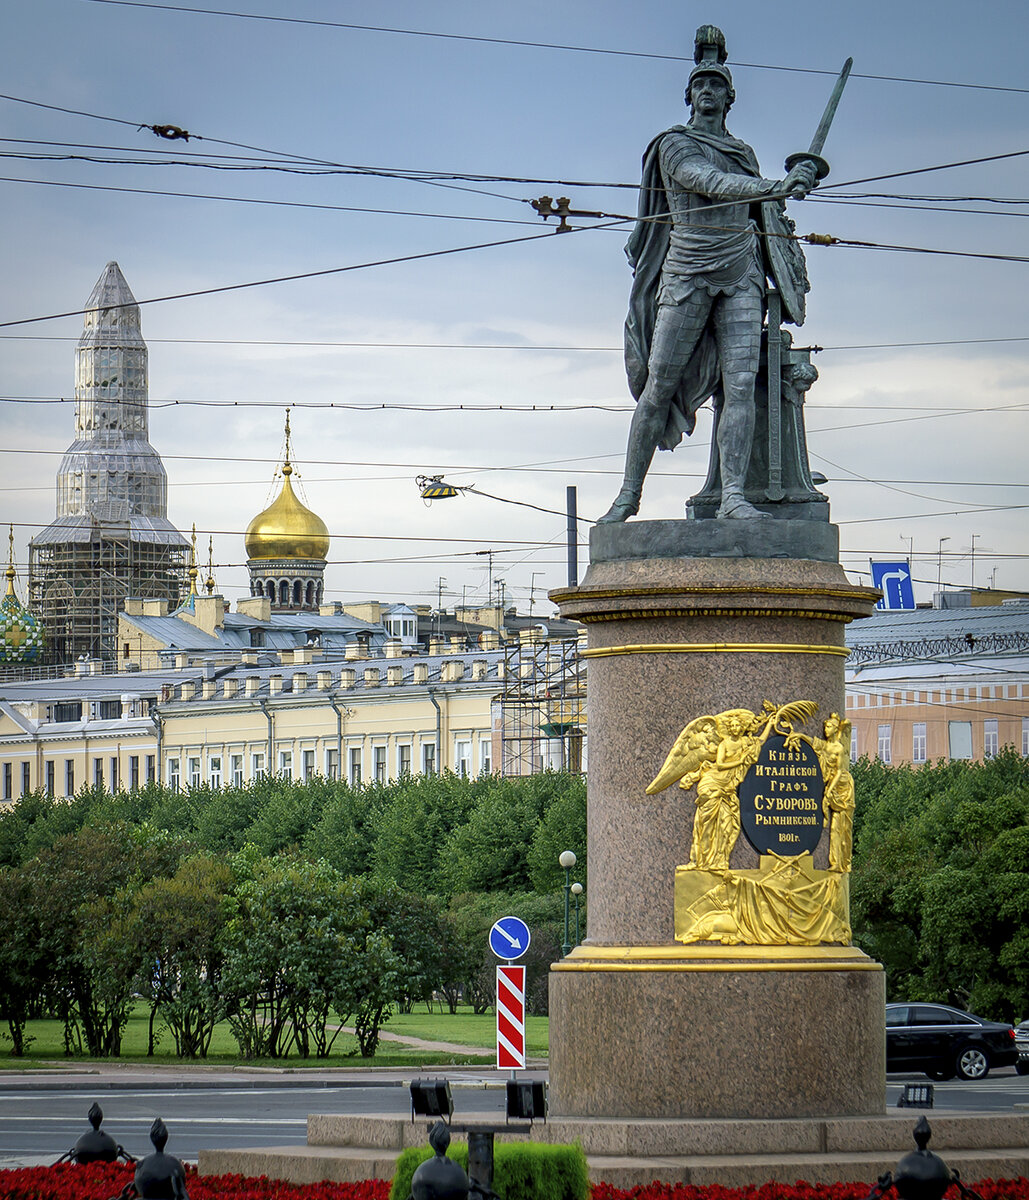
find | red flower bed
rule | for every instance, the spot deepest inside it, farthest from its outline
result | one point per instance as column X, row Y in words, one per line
column 102, row 1181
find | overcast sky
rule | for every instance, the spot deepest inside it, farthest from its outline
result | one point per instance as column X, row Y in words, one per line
column 920, row 441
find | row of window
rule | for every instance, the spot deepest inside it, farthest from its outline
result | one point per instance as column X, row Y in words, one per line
column 98, row 710
column 189, row 771
column 282, row 592
column 141, row 767
column 959, row 740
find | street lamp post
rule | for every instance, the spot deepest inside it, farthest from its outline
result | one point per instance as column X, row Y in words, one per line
column 567, row 860
column 577, row 892
column 939, row 564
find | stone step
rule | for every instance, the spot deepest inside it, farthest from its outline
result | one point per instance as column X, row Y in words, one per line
column 752, row 1170
column 302, row 1164
column 311, row 1164
column 629, row 1152
column 657, row 1137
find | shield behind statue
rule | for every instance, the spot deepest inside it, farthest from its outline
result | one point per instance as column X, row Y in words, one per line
column 785, row 260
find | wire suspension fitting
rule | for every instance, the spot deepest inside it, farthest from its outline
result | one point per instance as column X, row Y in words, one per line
column 172, row 132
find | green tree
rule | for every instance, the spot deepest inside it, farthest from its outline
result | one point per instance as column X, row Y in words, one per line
column 178, row 925
column 81, row 892
column 23, row 966
column 300, row 945
column 473, row 915
column 343, row 834
column 489, row 851
column 562, row 827
column 939, row 888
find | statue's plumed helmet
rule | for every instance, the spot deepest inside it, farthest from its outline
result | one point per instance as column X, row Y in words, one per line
column 709, row 53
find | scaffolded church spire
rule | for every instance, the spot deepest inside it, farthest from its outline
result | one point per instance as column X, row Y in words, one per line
column 111, row 537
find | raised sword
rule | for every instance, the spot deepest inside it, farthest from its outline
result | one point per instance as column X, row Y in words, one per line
column 814, row 153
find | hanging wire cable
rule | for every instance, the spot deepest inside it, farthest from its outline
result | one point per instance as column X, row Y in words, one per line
column 388, row 212
column 234, row 287
column 346, row 345
column 437, row 176
column 813, row 239
column 465, row 37
column 902, row 204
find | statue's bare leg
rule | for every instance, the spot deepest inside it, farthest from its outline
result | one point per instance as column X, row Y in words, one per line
column 676, row 334
column 737, row 323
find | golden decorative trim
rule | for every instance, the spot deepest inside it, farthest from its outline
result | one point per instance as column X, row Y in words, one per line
column 712, row 957
column 564, row 965
column 625, row 614
column 714, row 648
column 713, row 589
column 709, row 951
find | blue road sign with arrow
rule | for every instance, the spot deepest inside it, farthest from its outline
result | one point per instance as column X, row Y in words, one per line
column 893, row 579
column 509, row 938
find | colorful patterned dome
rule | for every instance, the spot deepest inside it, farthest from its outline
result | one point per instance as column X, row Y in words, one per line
column 21, row 635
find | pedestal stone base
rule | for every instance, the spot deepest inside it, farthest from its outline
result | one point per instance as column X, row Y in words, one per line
column 690, row 619
column 709, row 1031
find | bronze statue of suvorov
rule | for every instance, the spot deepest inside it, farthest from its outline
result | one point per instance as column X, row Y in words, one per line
column 710, row 232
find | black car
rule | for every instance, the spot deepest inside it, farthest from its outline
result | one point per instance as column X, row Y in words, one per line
column 944, row 1042
column 1022, row 1045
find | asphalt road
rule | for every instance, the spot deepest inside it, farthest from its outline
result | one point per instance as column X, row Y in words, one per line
column 39, row 1123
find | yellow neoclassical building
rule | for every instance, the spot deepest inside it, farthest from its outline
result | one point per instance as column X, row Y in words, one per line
column 289, row 685
column 297, row 714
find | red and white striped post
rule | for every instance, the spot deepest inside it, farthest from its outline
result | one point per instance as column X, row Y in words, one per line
column 510, row 1017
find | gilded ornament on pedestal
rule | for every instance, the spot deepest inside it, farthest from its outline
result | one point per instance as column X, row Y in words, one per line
column 792, row 783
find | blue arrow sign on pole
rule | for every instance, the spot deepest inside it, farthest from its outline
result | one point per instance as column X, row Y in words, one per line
column 893, row 579
column 509, row 938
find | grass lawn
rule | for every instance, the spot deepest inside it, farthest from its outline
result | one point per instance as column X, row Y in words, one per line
column 461, row 1028
column 466, row 1029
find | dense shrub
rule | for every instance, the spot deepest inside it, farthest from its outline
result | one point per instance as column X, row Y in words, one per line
column 940, row 886
column 533, row 1171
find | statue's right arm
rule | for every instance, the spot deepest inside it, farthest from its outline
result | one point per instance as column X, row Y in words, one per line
column 684, row 161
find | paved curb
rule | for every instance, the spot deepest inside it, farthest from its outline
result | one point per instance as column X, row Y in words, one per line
column 147, row 1078
column 108, row 1081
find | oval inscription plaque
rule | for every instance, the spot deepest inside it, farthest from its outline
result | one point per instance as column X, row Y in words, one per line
column 781, row 799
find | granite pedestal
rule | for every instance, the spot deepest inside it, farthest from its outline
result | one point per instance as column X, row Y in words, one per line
column 687, row 618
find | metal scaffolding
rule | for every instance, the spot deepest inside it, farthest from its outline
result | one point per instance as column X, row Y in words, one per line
column 77, row 587
column 542, row 707
column 111, row 537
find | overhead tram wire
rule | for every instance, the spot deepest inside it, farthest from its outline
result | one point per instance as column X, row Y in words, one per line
column 846, row 202
column 516, row 545
column 848, row 243
column 389, row 212
column 549, row 467
column 294, row 158
column 235, row 287
column 437, row 176
column 53, row 337
column 928, row 411
column 464, row 37
column 384, row 406
column 901, row 203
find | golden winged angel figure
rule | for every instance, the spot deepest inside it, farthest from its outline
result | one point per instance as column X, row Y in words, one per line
column 713, row 753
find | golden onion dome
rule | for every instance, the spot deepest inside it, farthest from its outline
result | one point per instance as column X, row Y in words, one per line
column 287, row 528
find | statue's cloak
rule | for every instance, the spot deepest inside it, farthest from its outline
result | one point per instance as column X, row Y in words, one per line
column 646, row 250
